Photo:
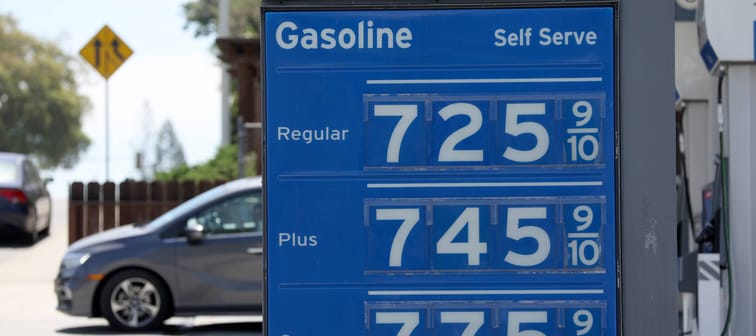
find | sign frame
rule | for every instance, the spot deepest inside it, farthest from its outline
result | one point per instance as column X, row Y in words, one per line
column 633, row 311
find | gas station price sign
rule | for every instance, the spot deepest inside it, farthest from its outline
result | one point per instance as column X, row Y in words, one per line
column 440, row 172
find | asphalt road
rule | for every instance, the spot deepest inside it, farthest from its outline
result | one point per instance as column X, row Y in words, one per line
column 27, row 299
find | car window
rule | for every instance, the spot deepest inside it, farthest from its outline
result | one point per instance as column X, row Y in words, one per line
column 186, row 207
column 8, row 172
column 239, row 214
column 32, row 176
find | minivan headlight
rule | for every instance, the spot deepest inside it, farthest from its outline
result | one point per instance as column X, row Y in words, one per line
column 74, row 259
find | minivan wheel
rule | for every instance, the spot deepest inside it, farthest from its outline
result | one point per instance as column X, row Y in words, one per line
column 134, row 300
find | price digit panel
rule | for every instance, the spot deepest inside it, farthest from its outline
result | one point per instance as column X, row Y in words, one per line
column 440, row 132
column 509, row 318
column 487, row 235
column 440, row 172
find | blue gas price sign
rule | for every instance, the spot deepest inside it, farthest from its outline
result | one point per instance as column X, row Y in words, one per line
column 440, row 172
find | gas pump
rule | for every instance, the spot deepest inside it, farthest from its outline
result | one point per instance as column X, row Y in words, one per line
column 711, row 260
column 724, row 261
column 686, row 227
column 703, row 262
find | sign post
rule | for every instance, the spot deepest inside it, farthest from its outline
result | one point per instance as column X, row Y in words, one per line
column 442, row 170
column 106, row 52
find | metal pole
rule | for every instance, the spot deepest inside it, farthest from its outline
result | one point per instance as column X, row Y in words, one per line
column 647, row 81
column 224, row 31
column 107, row 133
column 225, row 107
column 241, row 130
column 224, row 18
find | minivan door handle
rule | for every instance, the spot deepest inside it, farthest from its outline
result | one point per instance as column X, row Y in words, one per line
column 255, row 250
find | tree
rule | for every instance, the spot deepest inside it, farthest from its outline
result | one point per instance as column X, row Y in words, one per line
column 222, row 167
column 168, row 151
column 202, row 16
column 244, row 21
column 40, row 108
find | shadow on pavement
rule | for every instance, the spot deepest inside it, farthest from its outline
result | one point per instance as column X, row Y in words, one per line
column 16, row 240
column 245, row 328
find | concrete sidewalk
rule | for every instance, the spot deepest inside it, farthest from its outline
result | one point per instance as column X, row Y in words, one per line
column 27, row 299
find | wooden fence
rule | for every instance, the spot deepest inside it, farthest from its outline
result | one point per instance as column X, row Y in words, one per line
column 95, row 207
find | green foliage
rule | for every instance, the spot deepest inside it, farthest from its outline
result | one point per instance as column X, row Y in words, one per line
column 222, row 167
column 202, row 17
column 40, row 109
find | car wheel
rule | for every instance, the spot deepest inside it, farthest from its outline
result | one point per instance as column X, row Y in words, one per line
column 134, row 300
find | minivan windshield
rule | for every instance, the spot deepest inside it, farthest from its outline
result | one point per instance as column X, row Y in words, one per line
column 8, row 171
column 185, row 207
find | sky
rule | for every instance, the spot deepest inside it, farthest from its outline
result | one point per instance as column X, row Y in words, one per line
column 171, row 73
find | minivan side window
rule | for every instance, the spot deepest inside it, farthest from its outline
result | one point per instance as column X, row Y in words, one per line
column 239, row 214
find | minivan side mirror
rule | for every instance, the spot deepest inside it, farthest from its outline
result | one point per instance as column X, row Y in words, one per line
column 194, row 232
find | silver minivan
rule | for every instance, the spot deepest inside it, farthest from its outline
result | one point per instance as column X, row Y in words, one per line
column 204, row 257
column 24, row 200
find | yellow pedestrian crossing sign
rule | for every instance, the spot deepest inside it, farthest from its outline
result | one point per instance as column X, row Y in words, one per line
column 106, row 52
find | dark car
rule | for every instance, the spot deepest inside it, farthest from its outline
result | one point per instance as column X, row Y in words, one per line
column 24, row 200
column 203, row 257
